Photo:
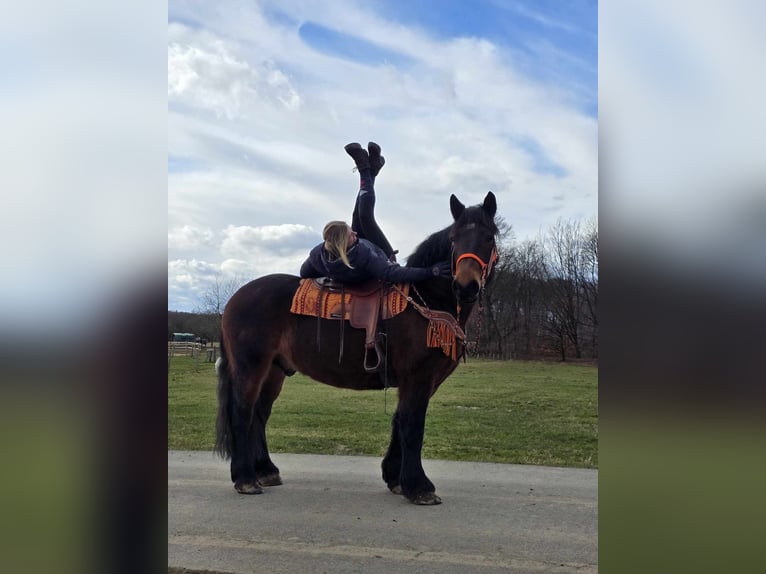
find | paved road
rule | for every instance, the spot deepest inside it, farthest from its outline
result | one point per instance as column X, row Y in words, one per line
column 335, row 515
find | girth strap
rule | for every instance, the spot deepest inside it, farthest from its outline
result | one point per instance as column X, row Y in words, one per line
column 319, row 317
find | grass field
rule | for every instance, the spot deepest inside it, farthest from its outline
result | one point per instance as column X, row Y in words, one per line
column 490, row 411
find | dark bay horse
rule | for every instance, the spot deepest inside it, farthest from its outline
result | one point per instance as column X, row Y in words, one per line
column 262, row 342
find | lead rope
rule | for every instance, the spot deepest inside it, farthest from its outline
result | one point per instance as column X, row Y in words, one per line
column 484, row 278
column 478, row 325
column 385, row 376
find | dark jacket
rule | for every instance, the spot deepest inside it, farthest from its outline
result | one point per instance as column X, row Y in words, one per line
column 368, row 261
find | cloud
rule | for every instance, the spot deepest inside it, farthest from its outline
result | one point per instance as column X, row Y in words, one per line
column 543, row 19
column 209, row 79
column 243, row 240
column 187, row 280
column 191, row 271
column 208, row 75
column 237, row 268
column 189, row 237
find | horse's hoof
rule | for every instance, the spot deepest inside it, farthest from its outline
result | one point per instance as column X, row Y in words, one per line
column 427, row 499
column 396, row 489
column 270, row 480
column 248, row 488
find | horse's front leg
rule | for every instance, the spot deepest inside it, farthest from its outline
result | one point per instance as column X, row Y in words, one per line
column 413, row 404
column 392, row 462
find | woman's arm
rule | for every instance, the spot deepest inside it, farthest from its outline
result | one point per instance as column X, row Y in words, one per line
column 381, row 268
column 308, row 269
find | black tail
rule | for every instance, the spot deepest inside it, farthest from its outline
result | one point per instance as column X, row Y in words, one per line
column 223, row 421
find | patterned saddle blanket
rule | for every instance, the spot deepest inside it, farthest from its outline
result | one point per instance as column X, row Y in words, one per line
column 320, row 298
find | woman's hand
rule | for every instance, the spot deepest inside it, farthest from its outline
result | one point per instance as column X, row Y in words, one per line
column 443, row 269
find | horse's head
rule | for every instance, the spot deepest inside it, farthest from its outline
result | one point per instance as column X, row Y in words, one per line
column 474, row 252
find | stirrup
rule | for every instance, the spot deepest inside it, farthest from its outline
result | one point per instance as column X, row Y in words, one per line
column 378, row 356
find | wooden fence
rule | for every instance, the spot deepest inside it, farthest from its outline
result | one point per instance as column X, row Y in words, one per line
column 194, row 350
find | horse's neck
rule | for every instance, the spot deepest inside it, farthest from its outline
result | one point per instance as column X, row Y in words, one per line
column 465, row 313
column 438, row 298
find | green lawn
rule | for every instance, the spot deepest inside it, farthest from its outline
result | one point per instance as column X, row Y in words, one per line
column 491, row 411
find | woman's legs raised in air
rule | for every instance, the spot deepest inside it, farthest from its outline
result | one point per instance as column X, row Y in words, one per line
column 363, row 218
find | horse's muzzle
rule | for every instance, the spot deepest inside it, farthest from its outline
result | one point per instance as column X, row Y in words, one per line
column 466, row 293
column 468, row 279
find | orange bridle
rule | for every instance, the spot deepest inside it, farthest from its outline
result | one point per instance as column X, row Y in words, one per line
column 486, row 267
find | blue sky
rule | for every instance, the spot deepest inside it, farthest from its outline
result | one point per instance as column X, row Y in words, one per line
column 463, row 97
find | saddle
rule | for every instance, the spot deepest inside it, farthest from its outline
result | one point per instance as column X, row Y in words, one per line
column 362, row 305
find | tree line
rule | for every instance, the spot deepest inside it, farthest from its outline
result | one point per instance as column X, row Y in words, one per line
column 541, row 302
column 204, row 325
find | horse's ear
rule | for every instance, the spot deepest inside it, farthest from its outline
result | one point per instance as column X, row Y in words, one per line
column 490, row 204
column 455, row 206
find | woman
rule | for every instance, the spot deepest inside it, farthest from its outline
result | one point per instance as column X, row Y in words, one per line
column 361, row 252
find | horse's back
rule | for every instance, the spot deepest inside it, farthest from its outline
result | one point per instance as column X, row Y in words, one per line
column 264, row 298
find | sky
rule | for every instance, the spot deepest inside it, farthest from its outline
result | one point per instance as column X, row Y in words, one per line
column 463, row 98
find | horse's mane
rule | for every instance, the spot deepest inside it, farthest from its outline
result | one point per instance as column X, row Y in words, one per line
column 434, row 249
column 437, row 246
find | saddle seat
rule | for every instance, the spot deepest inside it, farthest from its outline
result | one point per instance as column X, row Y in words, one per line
column 364, row 289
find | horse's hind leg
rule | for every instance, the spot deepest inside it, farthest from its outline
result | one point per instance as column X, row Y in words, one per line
column 266, row 471
column 247, row 389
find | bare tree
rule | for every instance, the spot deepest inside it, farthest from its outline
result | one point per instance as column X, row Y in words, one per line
column 564, row 264
column 530, row 294
column 588, row 281
column 214, row 298
column 515, row 302
column 497, row 326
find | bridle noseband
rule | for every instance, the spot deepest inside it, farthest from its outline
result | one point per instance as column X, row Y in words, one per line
column 486, row 267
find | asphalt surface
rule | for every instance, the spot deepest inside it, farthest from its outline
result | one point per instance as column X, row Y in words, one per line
column 334, row 514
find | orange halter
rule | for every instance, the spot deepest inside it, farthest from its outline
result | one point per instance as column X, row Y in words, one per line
column 486, row 267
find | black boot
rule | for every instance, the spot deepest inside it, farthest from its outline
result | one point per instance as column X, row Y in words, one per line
column 377, row 161
column 359, row 155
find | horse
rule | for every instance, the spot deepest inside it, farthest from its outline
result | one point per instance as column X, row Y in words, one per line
column 262, row 342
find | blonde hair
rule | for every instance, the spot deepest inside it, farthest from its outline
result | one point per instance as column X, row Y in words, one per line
column 335, row 235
